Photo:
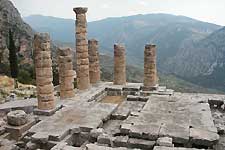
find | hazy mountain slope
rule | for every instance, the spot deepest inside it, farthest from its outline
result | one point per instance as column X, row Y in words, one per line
column 10, row 19
column 169, row 32
column 204, row 61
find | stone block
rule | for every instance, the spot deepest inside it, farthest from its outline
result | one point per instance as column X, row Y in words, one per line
column 16, row 132
column 17, row 118
column 121, row 141
column 165, row 141
column 139, row 143
column 203, row 138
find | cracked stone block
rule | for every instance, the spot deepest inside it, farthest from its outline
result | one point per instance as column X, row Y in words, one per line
column 125, row 128
column 165, row 141
column 96, row 132
column 139, row 143
column 121, row 141
column 203, row 138
column 178, row 132
column 145, row 131
column 17, row 118
column 104, row 139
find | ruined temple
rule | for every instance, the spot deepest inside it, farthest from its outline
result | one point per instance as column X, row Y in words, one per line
column 109, row 115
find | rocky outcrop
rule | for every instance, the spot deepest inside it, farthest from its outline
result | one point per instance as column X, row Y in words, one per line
column 10, row 19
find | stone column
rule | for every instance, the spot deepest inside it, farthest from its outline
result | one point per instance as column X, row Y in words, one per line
column 82, row 61
column 43, row 68
column 66, row 73
column 150, row 71
column 94, row 68
column 119, row 64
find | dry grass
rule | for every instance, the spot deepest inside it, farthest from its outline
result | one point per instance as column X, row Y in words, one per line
column 113, row 99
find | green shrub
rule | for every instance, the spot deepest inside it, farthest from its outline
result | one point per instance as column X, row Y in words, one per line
column 25, row 77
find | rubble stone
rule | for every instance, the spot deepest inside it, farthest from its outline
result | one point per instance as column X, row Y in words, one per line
column 17, row 118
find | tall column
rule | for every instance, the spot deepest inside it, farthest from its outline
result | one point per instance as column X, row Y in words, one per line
column 82, row 61
column 94, row 68
column 150, row 70
column 66, row 73
column 119, row 64
column 43, row 68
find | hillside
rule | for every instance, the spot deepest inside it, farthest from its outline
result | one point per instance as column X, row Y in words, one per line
column 181, row 42
column 205, row 61
column 169, row 32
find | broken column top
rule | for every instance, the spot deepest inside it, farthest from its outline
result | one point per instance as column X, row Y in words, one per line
column 80, row 10
column 92, row 41
column 119, row 46
column 42, row 37
column 150, row 45
column 65, row 51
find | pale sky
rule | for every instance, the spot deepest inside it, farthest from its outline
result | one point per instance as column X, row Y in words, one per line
column 212, row 11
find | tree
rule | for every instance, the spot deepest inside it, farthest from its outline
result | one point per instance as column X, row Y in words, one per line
column 12, row 56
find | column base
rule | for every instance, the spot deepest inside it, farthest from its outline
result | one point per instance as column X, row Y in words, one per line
column 150, row 88
column 46, row 112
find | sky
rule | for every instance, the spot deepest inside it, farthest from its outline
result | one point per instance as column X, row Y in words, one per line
column 205, row 10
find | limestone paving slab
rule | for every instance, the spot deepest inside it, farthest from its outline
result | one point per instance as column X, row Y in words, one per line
column 80, row 113
column 173, row 148
column 174, row 116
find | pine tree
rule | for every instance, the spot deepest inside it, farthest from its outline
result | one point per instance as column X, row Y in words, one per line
column 12, row 56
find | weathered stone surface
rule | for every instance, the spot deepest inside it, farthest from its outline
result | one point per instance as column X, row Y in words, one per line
column 121, row 141
column 17, row 118
column 126, row 107
column 150, row 71
column 173, row 148
column 139, row 143
column 165, row 141
column 94, row 68
column 66, row 73
column 119, row 65
column 202, row 137
column 44, row 75
column 16, row 132
column 82, row 61
column 105, row 139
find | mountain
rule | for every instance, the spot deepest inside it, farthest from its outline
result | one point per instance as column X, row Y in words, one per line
column 10, row 19
column 169, row 32
column 187, row 48
column 203, row 62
